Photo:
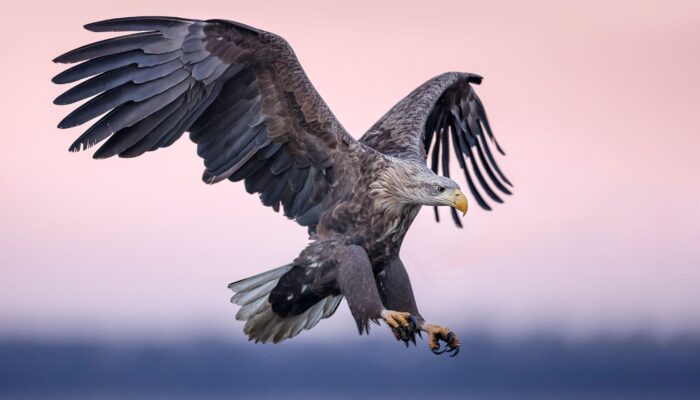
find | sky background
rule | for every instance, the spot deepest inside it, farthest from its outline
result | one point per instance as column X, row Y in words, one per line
column 595, row 103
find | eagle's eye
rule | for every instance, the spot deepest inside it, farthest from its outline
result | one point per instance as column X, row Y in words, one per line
column 440, row 189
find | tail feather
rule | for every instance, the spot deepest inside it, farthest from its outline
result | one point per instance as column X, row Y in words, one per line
column 250, row 295
column 259, row 279
column 250, row 309
column 262, row 323
column 329, row 307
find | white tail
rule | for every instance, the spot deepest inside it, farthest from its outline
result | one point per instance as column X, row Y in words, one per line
column 262, row 324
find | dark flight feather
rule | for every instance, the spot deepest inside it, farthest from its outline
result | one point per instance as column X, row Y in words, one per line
column 112, row 46
column 129, row 92
column 162, row 24
column 125, row 115
column 114, row 78
column 111, row 62
column 127, row 137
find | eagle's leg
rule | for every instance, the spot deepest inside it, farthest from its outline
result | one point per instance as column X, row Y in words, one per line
column 357, row 283
column 397, row 294
column 395, row 288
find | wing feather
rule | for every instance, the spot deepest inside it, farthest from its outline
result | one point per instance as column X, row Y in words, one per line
column 131, row 24
column 127, row 137
column 114, row 61
column 116, row 45
column 115, row 78
column 124, row 115
column 118, row 96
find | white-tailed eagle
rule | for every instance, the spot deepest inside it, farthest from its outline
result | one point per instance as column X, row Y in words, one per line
column 246, row 102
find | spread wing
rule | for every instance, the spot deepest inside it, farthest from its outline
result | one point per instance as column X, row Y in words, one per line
column 444, row 113
column 239, row 91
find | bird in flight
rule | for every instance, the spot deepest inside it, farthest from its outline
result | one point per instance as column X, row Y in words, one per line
column 246, row 102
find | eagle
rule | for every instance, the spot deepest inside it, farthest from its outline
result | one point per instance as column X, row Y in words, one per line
column 246, row 102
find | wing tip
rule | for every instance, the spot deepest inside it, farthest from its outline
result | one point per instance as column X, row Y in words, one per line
column 63, row 124
column 104, row 25
column 474, row 78
column 58, row 79
column 80, row 145
column 64, row 58
column 103, row 153
column 63, row 99
column 210, row 179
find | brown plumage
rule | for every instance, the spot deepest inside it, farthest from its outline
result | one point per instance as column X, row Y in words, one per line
column 246, row 102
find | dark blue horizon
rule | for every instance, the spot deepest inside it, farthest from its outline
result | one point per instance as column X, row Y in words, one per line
column 537, row 367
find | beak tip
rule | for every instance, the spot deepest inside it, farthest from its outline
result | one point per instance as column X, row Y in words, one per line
column 461, row 203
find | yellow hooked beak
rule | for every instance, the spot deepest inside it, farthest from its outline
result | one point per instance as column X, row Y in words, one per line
column 459, row 201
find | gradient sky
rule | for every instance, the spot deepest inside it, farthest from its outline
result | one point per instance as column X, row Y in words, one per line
column 597, row 104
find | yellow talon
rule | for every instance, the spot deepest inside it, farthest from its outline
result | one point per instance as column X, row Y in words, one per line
column 437, row 333
column 402, row 324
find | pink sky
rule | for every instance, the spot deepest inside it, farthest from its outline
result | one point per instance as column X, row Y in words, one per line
column 597, row 105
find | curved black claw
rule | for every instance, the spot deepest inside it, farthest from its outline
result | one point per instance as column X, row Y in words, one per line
column 451, row 344
column 413, row 328
column 407, row 332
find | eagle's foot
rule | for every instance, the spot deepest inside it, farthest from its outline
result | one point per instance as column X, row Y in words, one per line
column 437, row 333
column 402, row 324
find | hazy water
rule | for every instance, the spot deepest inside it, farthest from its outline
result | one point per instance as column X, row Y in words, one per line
column 538, row 368
column 342, row 396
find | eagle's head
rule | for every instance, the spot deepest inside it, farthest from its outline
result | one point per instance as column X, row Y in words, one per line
column 406, row 182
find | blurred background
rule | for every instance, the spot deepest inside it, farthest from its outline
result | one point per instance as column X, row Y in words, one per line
column 585, row 283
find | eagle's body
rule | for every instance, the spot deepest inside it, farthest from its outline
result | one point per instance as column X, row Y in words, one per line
column 350, row 202
column 246, row 102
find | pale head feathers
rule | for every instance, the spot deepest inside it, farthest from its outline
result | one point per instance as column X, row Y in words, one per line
column 404, row 182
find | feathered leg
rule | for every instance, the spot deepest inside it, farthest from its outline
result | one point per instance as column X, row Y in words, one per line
column 357, row 283
column 395, row 288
